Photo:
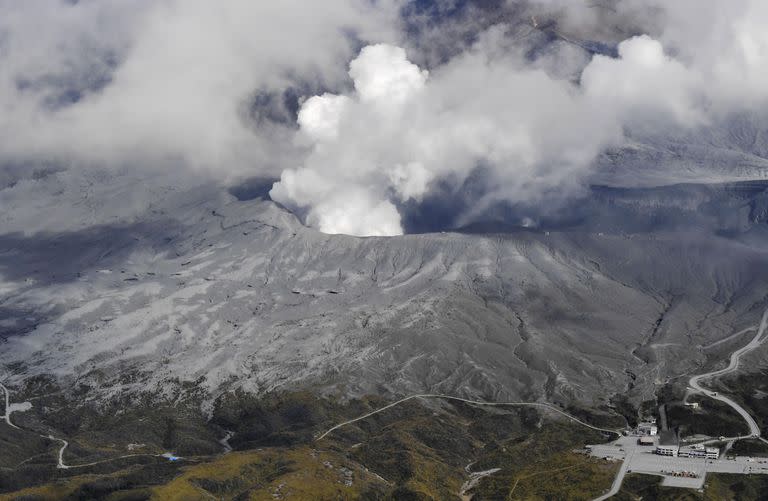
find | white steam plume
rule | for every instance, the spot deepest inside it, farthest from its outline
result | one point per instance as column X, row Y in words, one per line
column 401, row 130
column 723, row 45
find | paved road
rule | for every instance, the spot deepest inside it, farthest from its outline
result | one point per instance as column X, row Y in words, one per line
column 729, row 338
column 64, row 444
column 7, row 415
column 473, row 402
column 616, row 486
column 474, row 479
column 695, row 381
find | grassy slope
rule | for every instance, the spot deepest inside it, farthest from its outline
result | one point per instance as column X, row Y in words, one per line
column 751, row 391
column 541, row 465
column 718, row 487
column 299, row 473
column 414, row 451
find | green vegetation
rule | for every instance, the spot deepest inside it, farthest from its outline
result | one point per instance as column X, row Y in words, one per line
column 300, row 473
column 637, row 487
column 751, row 391
column 623, row 406
column 17, row 446
column 604, row 417
column 749, row 448
column 541, row 465
column 563, row 476
column 712, row 418
column 718, row 487
column 126, row 484
column 279, row 419
column 418, row 450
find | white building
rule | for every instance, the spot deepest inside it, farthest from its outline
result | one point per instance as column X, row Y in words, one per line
column 647, row 429
column 666, row 450
column 699, row 451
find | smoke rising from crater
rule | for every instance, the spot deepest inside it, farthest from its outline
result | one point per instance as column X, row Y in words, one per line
column 403, row 128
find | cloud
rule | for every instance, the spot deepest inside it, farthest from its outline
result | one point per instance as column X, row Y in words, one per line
column 171, row 81
column 320, row 116
column 645, row 86
column 382, row 74
column 726, row 42
column 243, row 88
column 723, row 44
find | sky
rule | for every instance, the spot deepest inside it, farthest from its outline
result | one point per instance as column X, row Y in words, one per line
column 363, row 107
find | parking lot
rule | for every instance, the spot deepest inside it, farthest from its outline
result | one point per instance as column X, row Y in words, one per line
column 642, row 459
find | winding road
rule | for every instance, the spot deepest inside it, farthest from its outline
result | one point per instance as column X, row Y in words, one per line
column 7, row 417
column 695, row 381
column 473, row 402
column 7, row 414
column 695, row 387
column 60, row 464
column 616, row 486
column 64, row 445
column 474, row 477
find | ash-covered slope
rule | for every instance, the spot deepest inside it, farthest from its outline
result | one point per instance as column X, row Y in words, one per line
column 734, row 150
column 204, row 288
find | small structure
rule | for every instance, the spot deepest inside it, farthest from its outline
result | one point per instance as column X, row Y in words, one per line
column 666, row 450
column 646, row 440
column 692, row 405
column 647, row 428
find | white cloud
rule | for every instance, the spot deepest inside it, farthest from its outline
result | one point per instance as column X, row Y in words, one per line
column 319, row 116
column 726, row 42
column 172, row 82
column 382, row 73
column 179, row 76
column 644, row 86
column 723, row 44
column 344, row 181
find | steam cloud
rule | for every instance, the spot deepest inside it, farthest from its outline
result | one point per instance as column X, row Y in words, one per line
column 173, row 83
column 402, row 128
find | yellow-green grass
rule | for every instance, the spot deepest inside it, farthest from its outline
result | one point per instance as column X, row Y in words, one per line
column 564, row 476
column 301, row 473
